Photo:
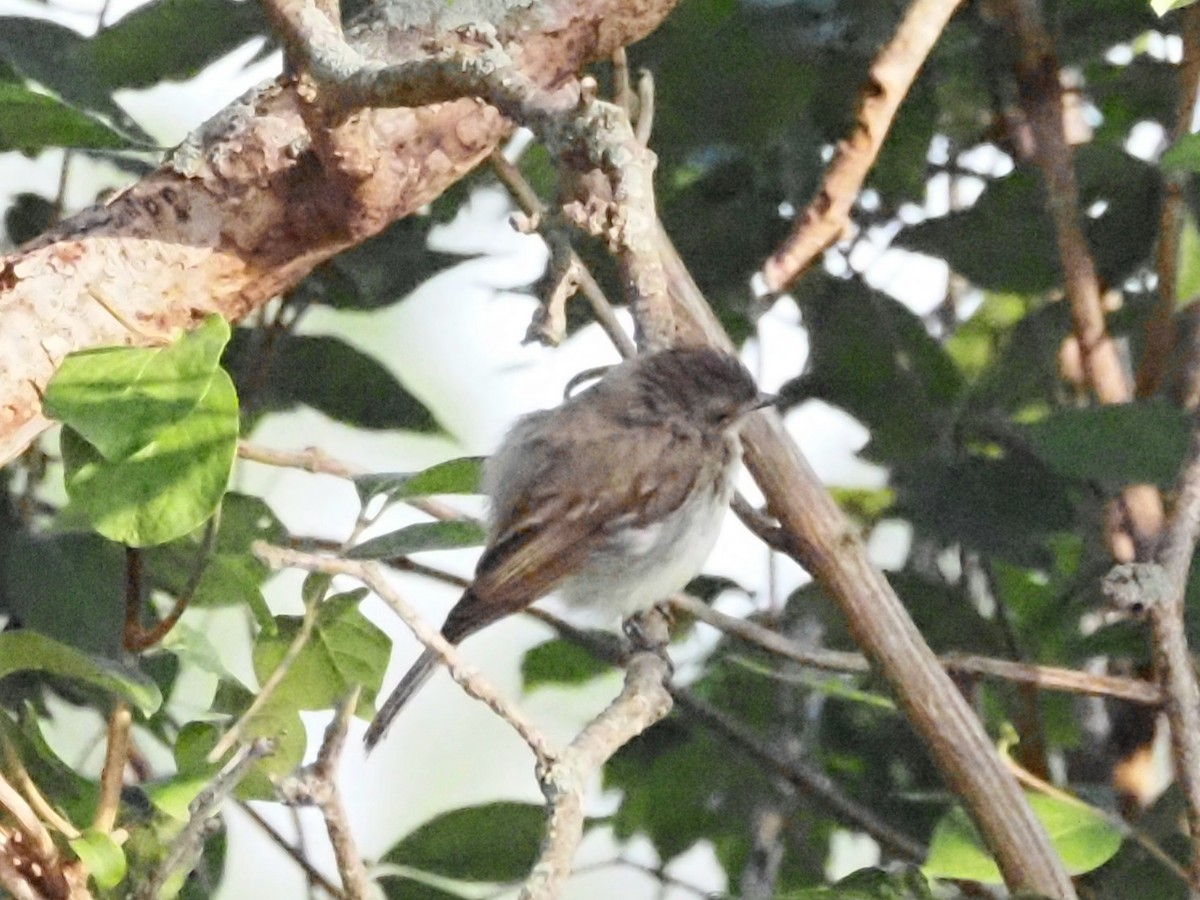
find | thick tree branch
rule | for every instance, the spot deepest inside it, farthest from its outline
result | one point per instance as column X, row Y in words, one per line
column 890, row 76
column 822, row 540
column 246, row 207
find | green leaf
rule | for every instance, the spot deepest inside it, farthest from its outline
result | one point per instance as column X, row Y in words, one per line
column 559, row 662
column 231, row 574
column 327, row 374
column 173, row 796
column 275, row 721
column 1006, row 241
column 422, row 536
column 69, row 587
column 455, row 476
column 869, row 884
column 31, row 121
column 345, row 650
column 1079, row 834
column 399, row 887
column 494, row 842
column 101, row 856
column 171, row 40
column 120, row 398
column 380, row 271
column 872, row 356
column 151, row 435
column 59, row 59
column 22, row 651
column 1117, row 444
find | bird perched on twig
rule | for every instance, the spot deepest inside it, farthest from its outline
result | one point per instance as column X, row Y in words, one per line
column 613, row 499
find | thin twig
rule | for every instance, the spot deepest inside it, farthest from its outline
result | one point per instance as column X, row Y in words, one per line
column 22, row 813
column 1051, row 678
column 267, row 689
column 138, row 638
column 112, row 776
column 1158, row 591
column 891, row 74
column 373, row 576
column 319, row 463
column 41, row 806
column 201, row 812
column 317, row 786
column 529, row 202
column 300, row 858
column 643, row 701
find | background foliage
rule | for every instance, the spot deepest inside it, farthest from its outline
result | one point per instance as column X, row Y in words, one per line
column 1001, row 467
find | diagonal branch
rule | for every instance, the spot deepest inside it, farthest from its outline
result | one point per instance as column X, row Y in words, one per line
column 890, row 76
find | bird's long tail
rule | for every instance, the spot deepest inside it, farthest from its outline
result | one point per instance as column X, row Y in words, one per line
column 412, row 681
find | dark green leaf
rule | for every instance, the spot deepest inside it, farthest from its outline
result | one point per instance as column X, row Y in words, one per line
column 29, row 215
column 420, row 537
column 24, row 651
column 872, row 356
column 69, row 587
column 380, row 271
column 495, row 842
column 1006, row 241
column 1006, row 507
column 327, row 374
column 1117, row 444
column 31, row 121
column 60, row 59
column 455, row 476
column 399, row 887
column 559, row 662
column 869, row 884
column 171, row 40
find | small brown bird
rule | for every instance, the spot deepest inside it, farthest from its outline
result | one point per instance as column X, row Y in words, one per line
column 613, row 499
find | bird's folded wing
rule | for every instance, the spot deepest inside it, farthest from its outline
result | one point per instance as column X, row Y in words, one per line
column 568, row 508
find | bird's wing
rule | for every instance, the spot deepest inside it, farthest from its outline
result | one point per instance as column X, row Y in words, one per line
column 563, row 502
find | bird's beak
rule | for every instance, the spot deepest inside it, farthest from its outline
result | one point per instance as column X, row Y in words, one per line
column 762, row 400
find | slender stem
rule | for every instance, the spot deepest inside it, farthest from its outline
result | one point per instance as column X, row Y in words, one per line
column 112, row 776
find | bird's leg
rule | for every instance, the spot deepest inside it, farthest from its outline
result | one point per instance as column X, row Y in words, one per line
column 650, row 636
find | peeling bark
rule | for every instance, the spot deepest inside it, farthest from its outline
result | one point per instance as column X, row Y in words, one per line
column 245, row 208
